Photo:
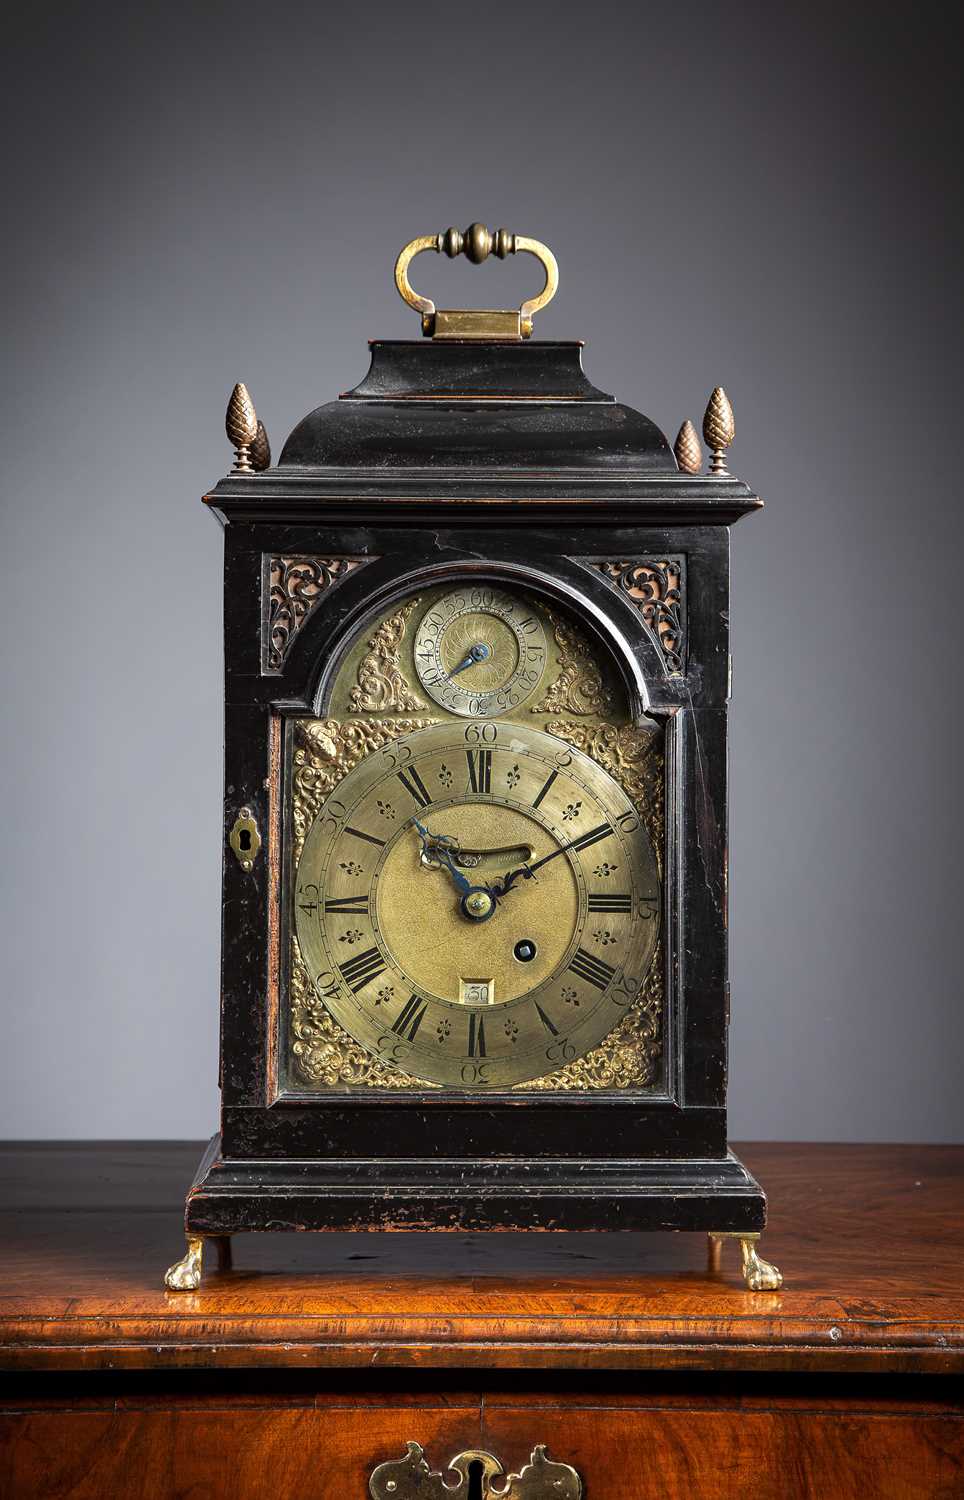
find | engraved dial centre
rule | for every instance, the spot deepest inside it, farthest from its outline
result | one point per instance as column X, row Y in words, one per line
column 418, row 910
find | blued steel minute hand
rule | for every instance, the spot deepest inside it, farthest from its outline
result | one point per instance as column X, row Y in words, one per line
column 504, row 885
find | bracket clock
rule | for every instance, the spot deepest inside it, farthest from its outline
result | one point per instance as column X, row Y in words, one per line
column 474, row 901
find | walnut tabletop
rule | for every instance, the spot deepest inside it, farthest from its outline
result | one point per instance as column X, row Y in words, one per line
column 870, row 1240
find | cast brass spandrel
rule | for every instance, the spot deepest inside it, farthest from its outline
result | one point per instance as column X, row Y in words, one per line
column 382, row 685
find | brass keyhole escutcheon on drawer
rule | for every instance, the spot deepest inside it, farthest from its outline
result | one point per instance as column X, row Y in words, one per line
column 480, row 1477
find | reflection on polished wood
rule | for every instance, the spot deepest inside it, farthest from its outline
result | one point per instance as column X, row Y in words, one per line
column 868, row 1238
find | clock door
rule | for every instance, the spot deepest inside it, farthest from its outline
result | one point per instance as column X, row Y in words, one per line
column 475, row 833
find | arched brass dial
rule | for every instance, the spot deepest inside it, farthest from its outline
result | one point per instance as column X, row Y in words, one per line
column 480, row 652
column 477, row 904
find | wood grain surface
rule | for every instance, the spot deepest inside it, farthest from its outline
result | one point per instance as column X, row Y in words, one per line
column 868, row 1237
column 691, row 1451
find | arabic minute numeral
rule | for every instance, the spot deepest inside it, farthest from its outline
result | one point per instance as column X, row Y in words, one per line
column 624, row 990
column 332, row 814
column 392, row 1051
column 397, row 755
column 475, row 1072
column 308, row 899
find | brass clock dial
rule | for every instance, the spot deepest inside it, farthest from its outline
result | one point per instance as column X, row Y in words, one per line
column 480, row 652
column 477, row 905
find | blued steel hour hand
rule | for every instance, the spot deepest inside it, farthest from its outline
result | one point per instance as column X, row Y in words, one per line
column 441, row 849
column 476, row 902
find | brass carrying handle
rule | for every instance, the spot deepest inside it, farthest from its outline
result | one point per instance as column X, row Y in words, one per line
column 476, row 244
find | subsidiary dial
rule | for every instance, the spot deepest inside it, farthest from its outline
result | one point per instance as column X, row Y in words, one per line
column 480, row 652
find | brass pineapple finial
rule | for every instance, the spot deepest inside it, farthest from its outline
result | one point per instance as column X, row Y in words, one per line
column 719, row 429
column 241, row 426
column 260, row 452
column 689, row 454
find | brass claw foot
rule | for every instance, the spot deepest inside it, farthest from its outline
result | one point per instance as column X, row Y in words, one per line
column 758, row 1274
column 185, row 1274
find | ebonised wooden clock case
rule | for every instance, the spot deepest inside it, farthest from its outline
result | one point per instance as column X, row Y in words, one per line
column 476, row 462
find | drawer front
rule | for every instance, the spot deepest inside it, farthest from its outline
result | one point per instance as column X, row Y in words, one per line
column 238, row 1451
column 696, row 1452
column 250, row 1448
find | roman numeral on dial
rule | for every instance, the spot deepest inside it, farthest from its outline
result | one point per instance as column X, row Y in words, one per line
column 476, row 1034
column 409, row 1018
column 361, row 969
column 356, row 906
column 414, row 784
column 545, row 787
column 590, row 968
column 368, row 837
column 547, row 1023
column 601, row 831
column 617, row 902
column 480, row 770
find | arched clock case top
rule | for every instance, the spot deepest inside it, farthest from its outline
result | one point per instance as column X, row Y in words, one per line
column 634, row 629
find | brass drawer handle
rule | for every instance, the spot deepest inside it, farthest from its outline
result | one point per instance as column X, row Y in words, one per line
column 411, row 1478
column 476, row 244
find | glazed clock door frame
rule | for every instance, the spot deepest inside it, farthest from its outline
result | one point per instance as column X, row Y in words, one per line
column 688, row 1120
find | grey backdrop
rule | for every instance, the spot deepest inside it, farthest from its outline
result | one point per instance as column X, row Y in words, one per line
column 751, row 195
